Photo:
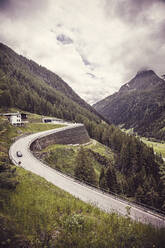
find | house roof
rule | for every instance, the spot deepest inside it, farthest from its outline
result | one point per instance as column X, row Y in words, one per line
column 10, row 114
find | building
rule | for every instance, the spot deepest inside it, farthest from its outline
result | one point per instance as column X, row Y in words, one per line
column 54, row 120
column 16, row 119
column 23, row 116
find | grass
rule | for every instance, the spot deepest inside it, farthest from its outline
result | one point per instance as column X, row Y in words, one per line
column 50, row 217
column 32, row 117
column 101, row 149
column 158, row 147
column 162, row 129
column 38, row 214
column 62, row 157
column 12, row 131
column 38, row 127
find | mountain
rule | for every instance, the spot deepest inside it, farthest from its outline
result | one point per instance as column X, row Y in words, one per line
column 139, row 104
column 32, row 87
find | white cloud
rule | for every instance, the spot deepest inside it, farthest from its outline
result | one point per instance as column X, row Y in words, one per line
column 104, row 43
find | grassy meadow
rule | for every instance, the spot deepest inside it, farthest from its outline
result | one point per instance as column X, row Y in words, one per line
column 62, row 157
column 158, row 147
column 38, row 214
column 50, row 217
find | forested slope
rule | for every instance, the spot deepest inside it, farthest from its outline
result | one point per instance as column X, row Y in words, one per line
column 28, row 86
column 139, row 104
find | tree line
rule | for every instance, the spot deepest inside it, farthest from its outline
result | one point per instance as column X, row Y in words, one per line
column 136, row 171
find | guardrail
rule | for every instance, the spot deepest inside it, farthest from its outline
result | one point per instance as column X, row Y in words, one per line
column 141, row 206
column 144, row 207
column 124, row 199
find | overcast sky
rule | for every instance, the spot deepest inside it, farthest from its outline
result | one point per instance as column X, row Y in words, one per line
column 94, row 45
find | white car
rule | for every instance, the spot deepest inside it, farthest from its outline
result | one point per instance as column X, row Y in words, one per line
column 19, row 154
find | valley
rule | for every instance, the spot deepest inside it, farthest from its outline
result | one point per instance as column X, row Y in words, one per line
column 115, row 162
column 139, row 104
column 106, row 202
column 45, row 214
column 158, row 146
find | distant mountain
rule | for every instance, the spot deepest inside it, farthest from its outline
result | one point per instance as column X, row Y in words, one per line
column 31, row 87
column 139, row 104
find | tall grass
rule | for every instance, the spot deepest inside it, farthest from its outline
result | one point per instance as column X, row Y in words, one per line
column 49, row 216
column 42, row 215
column 63, row 157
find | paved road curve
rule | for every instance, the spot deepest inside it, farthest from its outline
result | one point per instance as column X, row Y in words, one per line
column 87, row 194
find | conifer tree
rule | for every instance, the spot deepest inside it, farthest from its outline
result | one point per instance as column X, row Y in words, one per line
column 102, row 180
column 111, row 179
column 84, row 167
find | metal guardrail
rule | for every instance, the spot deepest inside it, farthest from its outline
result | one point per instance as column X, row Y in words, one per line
column 116, row 196
column 141, row 206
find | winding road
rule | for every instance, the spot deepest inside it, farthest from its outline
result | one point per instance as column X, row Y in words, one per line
column 86, row 193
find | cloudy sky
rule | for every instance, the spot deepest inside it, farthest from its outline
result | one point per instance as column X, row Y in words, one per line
column 94, row 45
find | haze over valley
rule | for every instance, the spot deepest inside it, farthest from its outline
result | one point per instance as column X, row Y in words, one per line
column 82, row 123
column 95, row 49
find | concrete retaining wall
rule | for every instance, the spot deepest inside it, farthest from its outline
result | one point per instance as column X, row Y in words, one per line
column 73, row 135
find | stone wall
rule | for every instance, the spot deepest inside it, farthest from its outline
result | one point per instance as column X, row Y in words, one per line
column 73, row 135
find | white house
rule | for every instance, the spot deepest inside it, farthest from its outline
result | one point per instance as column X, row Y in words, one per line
column 16, row 119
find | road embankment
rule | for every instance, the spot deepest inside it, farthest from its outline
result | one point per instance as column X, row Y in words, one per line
column 86, row 193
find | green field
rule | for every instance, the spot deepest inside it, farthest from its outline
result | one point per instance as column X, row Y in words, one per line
column 158, row 147
column 28, row 128
column 37, row 127
column 62, row 157
column 47, row 216
column 38, row 214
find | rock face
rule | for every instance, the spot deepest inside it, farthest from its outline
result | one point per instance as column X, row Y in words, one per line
column 139, row 104
column 74, row 135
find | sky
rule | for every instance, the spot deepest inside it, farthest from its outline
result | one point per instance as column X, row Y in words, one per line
column 94, row 45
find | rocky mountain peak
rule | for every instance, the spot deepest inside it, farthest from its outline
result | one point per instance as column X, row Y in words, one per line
column 144, row 79
column 145, row 73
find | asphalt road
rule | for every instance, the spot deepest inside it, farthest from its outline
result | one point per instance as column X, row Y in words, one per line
column 86, row 193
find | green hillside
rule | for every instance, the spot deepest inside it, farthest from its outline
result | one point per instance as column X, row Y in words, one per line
column 36, row 214
column 135, row 172
column 64, row 157
column 139, row 104
column 29, row 86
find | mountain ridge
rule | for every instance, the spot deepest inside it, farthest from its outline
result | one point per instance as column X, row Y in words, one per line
column 23, row 87
column 45, row 74
column 138, row 104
